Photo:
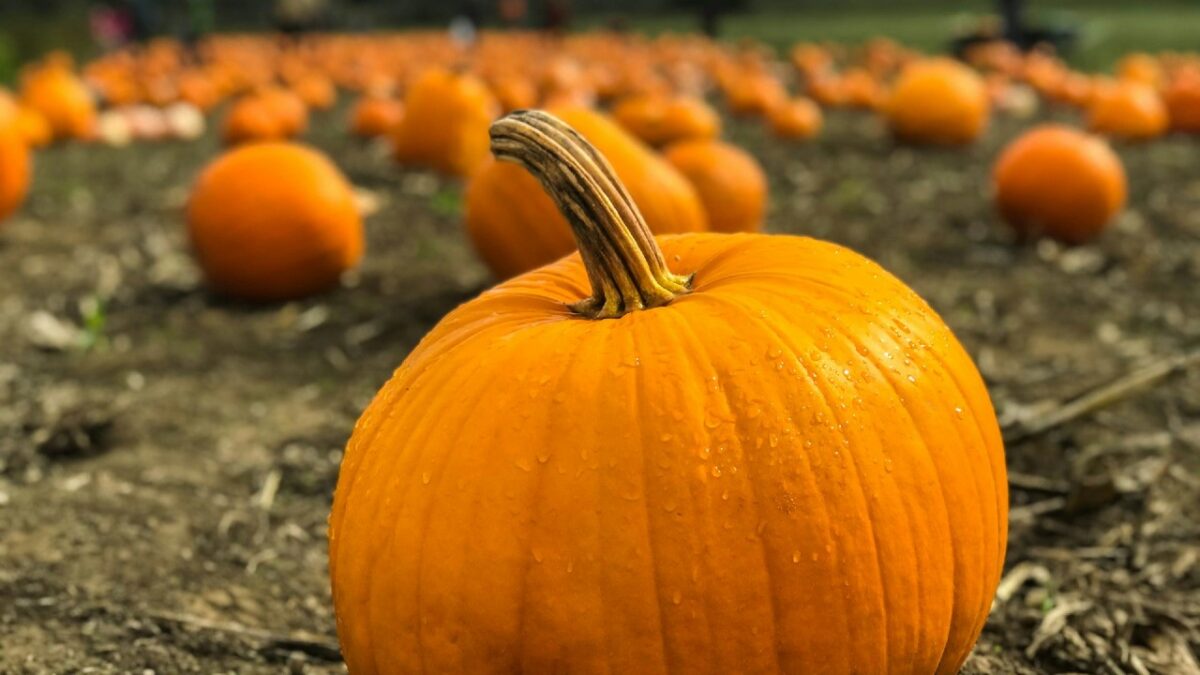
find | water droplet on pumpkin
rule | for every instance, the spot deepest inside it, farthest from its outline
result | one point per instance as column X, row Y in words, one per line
column 425, row 478
column 537, row 555
column 958, row 411
column 665, row 437
column 523, row 465
column 677, row 597
column 705, row 452
column 543, row 457
column 912, row 378
column 570, row 566
column 716, row 471
column 773, row 440
column 774, row 353
column 796, row 556
column 712, row 422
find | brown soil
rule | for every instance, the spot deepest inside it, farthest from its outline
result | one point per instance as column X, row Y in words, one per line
column 167, row 456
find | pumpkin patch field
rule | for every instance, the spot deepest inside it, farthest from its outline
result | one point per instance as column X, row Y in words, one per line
column 599, row 351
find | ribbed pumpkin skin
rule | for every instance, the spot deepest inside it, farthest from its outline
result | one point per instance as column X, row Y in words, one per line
column 794, row 468
column 730, row 182
column 515, row 227
column 15, row 163
column 446, row 117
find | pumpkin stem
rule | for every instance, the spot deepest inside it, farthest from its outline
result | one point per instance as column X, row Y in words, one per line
column 624, row 263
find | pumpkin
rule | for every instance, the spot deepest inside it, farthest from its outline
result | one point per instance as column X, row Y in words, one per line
column 754, row 93
column 1128, row 110
column 33, row 126
column 937, row 101
column 861, row 89
column 1058, row 181
column 513, row 91
column 1141, row 68
column 375, row 116
column 15, row 164
column 797, row 119
column 287, row 107
column 273, row 221
column 315, row 91
column 1182, row 98
column 62, row 99
column 446, row 116
column 661, row 120
column 252, row 119
column 515, row 226
column 702, row 453
column 731, row 184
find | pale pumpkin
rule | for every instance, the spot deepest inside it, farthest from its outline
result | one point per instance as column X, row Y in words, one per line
column 704, row 453
column 515, row 226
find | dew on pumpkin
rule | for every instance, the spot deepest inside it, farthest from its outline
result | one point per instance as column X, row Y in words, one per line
column 425, row 478
column 677, row 597
column 796, row 556
column 716, row 471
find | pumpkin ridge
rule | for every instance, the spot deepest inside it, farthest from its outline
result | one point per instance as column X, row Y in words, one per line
column 920, row 433
column 728, row 407
column 660, row 600
column 824, row 395
column 685, row 327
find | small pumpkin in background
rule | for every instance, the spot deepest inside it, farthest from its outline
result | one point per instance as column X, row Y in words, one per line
column 62, row 99
column 251, row 119
column 1182, row 98
column 273, row 221
column 730, row 182
column 937, row 101
column 797, row 119
column 15, row 162
column 513, row 91
column 287, row 107
column 34, row 128
column 374, row 116
column 446, row 116
column 654, row 446
column 1141, row 68
column 515, row 226
column 1128, row 110
column 861, row 89
column 755, row 93
column 659, row 119
column 1060, row 182
column 317, row 92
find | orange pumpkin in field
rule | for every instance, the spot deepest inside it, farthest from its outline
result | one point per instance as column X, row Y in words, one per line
column 375, row 116
column 34, row 128
column 252, row 119
column 273, row 221
column 731, row 184
column 15, row 163
column 754, row 93
column 62, row 99
column 1128, row 110
column 515, row 226
column 1141, row 68
column 1182, row 98
column 705, row 453
column 860, row 89
column 287, row 107
column 446, row 116
column 1058, row 181
column 938, row 101
column 660, row 119
column 316, row 92
column 513, row 91
column 797, row 119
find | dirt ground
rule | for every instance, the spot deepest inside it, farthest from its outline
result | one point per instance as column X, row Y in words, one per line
column 167, row 457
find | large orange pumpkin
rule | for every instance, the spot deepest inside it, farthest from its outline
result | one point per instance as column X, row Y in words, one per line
column 937, row 101
column 14, row 159
column 730, row 182
column 1058, row 181
column 708, row 453
column 273, row 221
column 62, row 99
column 515, row 227
column 660, row 120
column 446, row 116
column 1128, row 110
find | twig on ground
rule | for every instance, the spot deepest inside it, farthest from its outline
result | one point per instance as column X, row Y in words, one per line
column 326, row 650
column 1100, row 397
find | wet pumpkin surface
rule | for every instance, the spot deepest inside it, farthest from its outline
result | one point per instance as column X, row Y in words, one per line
column 167, row 457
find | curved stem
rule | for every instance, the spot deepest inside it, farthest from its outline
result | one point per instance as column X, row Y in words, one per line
column 623, row 262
